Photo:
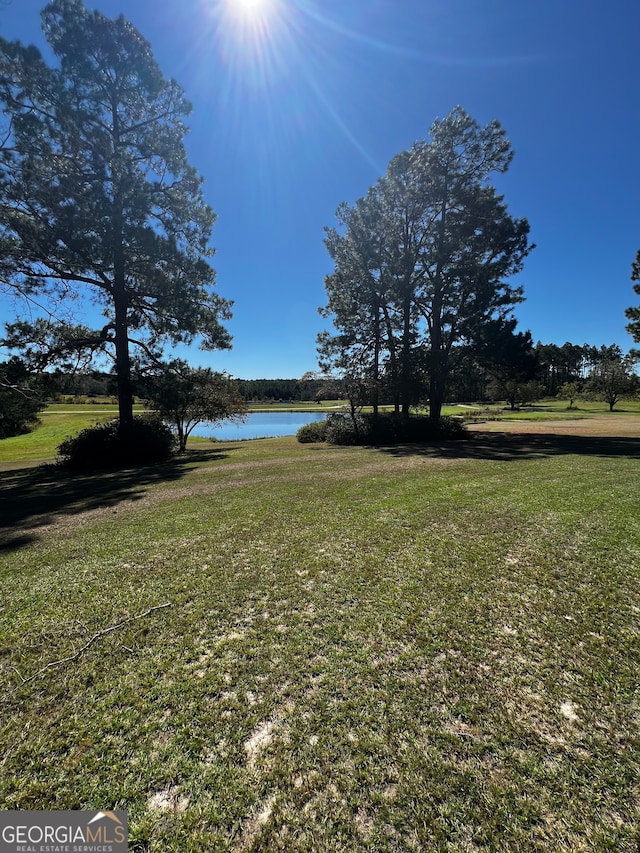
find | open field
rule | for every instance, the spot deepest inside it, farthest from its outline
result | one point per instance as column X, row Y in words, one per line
column 390, row 649
column 616, row 424
column 59, row 421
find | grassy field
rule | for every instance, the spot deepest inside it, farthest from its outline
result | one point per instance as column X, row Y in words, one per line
column 62, row 420
column 363, row 649
column 57, row 422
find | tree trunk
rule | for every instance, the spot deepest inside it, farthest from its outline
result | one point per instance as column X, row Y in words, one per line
column 182, row 438
column 436, row 373
column 436, row 381
column 123, row 361
column 376, row 360
column 405, row 384
column 120, row 300
column 392, row 359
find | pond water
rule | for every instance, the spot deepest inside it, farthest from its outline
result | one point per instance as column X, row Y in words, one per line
column 259, row 425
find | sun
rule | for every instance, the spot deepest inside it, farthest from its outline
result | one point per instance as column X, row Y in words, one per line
column 254, row 39
column 249, row 8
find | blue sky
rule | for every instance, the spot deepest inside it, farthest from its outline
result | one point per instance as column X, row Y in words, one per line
column 300, row 104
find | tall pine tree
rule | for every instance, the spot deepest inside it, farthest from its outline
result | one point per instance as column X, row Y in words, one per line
column 97, row 199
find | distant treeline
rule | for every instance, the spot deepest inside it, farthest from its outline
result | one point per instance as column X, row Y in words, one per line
column 310, row 388
column 551, row 366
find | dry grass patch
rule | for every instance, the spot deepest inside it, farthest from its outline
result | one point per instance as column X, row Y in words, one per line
column 435, row 651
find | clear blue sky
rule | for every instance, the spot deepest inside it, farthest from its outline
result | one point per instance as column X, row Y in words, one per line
column 300, row 104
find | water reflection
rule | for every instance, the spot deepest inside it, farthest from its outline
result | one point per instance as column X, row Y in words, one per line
column 259, row 425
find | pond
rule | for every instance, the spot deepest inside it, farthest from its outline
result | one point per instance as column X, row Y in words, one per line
column 259, row 425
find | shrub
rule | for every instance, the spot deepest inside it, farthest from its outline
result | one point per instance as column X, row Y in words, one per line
column 312, row 432
column 108, row 445
column 343, row 429
column 389, row 429
column 446, row 428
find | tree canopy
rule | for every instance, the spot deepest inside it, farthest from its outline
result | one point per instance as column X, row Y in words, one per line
column 21, row 398
column 612, row 381
column 186, row 396
column 98, row 202
column 423, row 262
column 633, row 313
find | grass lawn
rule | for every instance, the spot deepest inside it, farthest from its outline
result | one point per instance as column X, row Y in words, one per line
column 544, row 410
column 400, row 649
column 57, row 422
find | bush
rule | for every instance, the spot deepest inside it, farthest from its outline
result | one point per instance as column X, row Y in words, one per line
column 389, row 429
column 312, row 432
column 341, row 429
column 107, row 445
column 422, row 428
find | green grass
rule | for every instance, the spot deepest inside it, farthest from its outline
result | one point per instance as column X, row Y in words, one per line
column 548, row 409
column 57, row 422
column 297, row 406
column 430, row 649
column 54, row 428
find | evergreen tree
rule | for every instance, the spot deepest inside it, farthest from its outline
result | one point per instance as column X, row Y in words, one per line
column 97, row 199
column 633, row 313
column 423, row 263
column 21, row 398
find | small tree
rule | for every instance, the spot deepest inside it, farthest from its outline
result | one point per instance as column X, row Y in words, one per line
column 612, row 381
column 516, row 393
column 510, row 362
column 186, row 396
column 569, row 391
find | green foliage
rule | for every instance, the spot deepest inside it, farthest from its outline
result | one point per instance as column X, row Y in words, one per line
column 315, row 431
column 633, row 313
column 516, row 393
column 99, row 201
column 509, row 360
column 21, row 399
column 311, row 386
column 366, row 429
column 569, row 391
column 186, row 396
column 347, row 429
column 612, row 381
column 422, row 263
column 114, row 445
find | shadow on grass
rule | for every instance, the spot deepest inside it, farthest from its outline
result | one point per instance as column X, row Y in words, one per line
column 514, row 447
column 33, row 497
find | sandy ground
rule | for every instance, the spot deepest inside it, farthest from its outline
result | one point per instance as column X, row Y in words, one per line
column 615, row 425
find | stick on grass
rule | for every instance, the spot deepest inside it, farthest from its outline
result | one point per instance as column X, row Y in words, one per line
column 89, row 644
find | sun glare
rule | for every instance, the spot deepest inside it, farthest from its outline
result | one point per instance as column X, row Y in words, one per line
column 253, row 37
column 249, row 8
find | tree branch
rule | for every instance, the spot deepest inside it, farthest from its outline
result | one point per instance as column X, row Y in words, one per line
column 88, row 645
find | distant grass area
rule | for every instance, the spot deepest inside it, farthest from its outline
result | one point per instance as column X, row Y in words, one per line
column 57, row 422
column 55, row 426
column 297, row 406
column 410, row 649
column 549, row 409
column 60, row 420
